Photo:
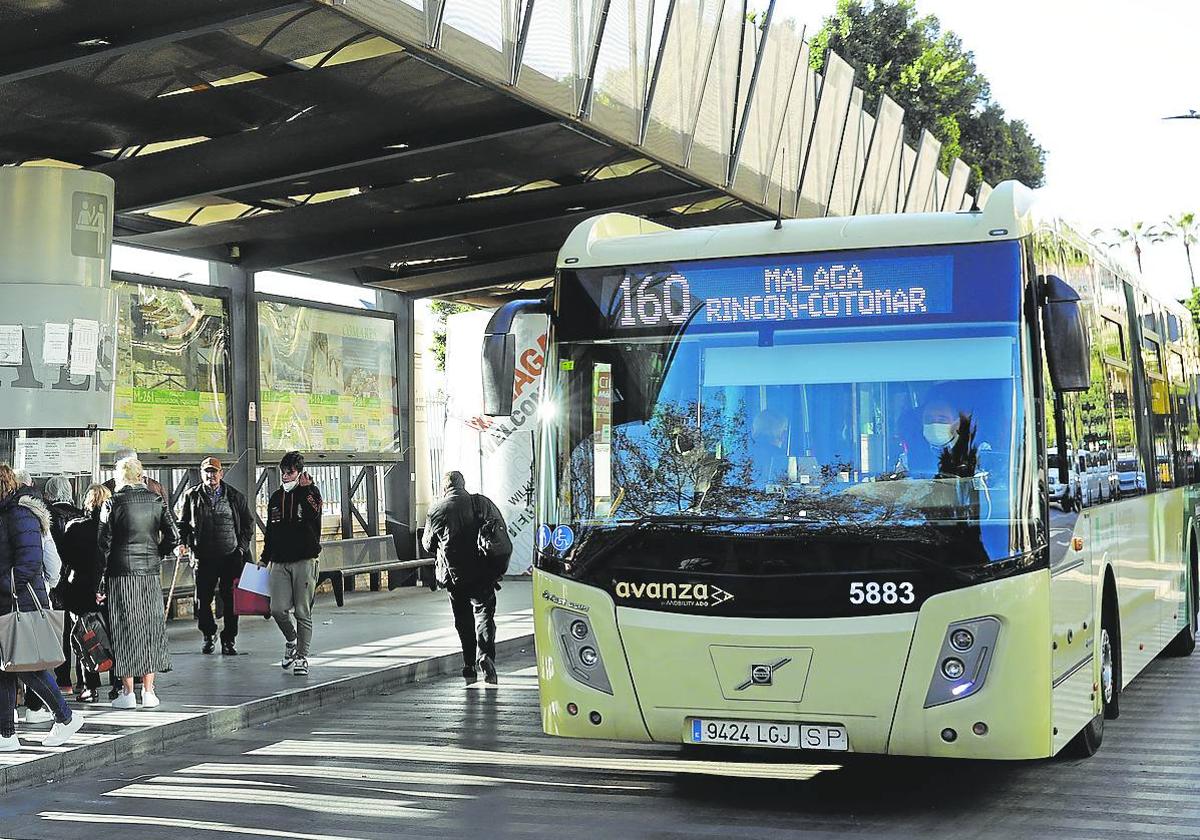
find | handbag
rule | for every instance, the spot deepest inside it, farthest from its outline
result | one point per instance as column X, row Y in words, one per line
column 30, row 641
column 255, row 579
column 91, row 642
column 246, row 602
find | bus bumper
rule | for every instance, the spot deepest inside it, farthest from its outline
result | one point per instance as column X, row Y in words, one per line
column 655, row 672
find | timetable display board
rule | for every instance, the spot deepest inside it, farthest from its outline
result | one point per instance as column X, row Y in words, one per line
column 172, row 383
column 327, row 380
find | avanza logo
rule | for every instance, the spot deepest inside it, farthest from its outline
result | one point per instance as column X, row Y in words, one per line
column 672, row 594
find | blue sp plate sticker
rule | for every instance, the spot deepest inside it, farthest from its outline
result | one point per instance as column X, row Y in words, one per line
column 696, row 728
column 544, row 535
column 562, row 538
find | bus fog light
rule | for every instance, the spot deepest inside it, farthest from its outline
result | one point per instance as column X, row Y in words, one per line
column 962, row 639
column 572, row 709
column 980, row 728
column 579, row 630
column 949, row 735
column 953, row 668
column 594, row 717
column 589, row 657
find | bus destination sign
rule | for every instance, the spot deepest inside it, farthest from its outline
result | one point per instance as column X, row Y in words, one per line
column 773, row 291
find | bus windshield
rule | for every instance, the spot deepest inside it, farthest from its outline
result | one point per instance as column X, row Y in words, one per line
column 723, row 392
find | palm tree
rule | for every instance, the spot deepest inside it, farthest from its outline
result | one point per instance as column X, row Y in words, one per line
column 1134, row 235
column 1186, row 228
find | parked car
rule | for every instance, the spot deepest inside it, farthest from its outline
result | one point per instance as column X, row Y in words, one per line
column 1132, row 480
column 1067, row 496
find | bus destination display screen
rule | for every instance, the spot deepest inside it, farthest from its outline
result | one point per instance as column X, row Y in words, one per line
column 785, row 289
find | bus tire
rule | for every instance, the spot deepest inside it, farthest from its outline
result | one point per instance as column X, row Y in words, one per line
column 1185, row 642
column 1110, row 660
column 1087, row 742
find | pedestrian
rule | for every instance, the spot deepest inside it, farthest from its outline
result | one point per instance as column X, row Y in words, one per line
column 452, row 531
column 60, row 499
column 218, row 527
column 155, row 486
column 36, row 710
column 290, row 546
column 22, row 580
column 81, row 557
column 134, row 532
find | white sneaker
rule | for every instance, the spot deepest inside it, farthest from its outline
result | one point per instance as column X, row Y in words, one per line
column 125, row 701
column 300, row 667
column 62, row 732
column 149, row 699
column 39, row 716
column 10, row 744
column 289, row 655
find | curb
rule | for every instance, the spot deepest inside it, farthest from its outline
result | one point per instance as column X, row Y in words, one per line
column 225, row 721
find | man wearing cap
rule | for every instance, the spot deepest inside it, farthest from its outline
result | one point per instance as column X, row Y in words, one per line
column 218, row 527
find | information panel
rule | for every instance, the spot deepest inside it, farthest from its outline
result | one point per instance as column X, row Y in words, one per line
column 779, row 290
column 172, row 386
column 327, row 381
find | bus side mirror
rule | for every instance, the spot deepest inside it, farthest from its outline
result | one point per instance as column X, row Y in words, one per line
column 500, row 355
column 1066, row 340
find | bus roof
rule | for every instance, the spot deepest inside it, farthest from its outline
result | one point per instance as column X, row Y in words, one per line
column 620, row 239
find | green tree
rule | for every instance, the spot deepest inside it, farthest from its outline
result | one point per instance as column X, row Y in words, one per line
column 1193, row 305
column 929, row 73
column 1186, row 229
column 441, row 309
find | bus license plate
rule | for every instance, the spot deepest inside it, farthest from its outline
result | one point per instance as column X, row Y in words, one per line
column 756, row 733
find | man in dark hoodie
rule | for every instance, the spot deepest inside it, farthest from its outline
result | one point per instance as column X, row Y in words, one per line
column 291, row 545
column 452, row 531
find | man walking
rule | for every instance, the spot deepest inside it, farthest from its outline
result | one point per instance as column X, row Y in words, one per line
column 291, row 545
column 218, row 527
column 452, row 530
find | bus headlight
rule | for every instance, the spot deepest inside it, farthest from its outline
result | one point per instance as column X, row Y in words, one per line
column 964, row 660
column 580, row 652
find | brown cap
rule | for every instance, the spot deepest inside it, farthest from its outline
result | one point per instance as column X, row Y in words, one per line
column 215, row 463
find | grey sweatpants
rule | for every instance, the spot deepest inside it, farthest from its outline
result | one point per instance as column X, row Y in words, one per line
column 293, row 586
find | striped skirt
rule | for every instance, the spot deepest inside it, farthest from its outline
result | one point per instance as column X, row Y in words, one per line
column 137, row 625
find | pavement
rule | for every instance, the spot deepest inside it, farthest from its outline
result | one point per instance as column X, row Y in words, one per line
column 438, row 759
column 375, row 642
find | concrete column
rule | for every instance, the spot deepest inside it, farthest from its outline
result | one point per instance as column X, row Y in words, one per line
column 398, row 479
column 243, row 370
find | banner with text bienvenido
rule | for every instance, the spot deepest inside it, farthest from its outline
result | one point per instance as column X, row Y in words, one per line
column 495, row 454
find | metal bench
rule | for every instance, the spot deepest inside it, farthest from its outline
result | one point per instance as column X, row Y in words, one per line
column 360, row 555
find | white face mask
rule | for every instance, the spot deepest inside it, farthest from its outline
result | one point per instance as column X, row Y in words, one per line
column 939, row 434
column 288, row 486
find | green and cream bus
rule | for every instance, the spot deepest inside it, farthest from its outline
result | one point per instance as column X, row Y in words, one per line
column 792, row 483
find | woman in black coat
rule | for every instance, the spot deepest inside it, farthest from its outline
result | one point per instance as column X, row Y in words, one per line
column 21, row 582
column 83, row 570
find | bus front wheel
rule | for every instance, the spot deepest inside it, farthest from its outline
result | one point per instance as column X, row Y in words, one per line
column 1110, row 666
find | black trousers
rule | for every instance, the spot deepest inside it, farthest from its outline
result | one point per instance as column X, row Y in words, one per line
column 474, row 611
column 216, row 577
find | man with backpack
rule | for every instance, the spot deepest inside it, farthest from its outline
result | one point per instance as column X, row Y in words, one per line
column 472, row 546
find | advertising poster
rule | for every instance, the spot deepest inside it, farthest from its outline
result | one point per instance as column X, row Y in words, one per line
column 495, row 454
column 172, row 386
column 327, row 380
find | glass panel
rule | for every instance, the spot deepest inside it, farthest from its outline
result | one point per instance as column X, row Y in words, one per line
column 797, row 127
column 985, row 190
column 960, row 176
column 1131, row 472
column 922, row 184
column 836, row 90
column 937, row 200
column 850, row 158
column 680, row 82
column 405, row 20
column 557, row 51
column 1151, row 356
column 768, row 109
column 709, row 157
column 479, row 34
column 883, row 159
column 622, row 70
column 1111, row 340
column 967, row 201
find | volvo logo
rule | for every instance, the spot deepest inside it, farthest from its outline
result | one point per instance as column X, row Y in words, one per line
column 763, row 674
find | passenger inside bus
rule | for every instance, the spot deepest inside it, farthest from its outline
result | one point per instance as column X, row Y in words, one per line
column 768, row 445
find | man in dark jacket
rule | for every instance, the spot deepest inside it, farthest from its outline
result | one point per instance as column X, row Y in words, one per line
column 291, row 545
column 452, row 531
column 217, row 525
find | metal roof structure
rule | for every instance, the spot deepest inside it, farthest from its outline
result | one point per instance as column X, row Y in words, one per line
column 442, row 147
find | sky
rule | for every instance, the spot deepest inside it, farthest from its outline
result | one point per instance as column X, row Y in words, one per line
column 1093, row 80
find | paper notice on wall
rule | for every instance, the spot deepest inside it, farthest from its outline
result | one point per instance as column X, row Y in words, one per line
column 85, row 339
column 10, row 344
column 54, row 456
column 55, row 341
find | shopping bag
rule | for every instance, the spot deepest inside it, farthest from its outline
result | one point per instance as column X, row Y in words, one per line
column 255, row 579
column 30, row 641
column 246, row 602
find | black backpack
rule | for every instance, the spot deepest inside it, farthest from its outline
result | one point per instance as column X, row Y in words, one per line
column 91, row 643
column 493, row 545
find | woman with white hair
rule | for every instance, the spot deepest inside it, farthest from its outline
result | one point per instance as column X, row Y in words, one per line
column 135, row 531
